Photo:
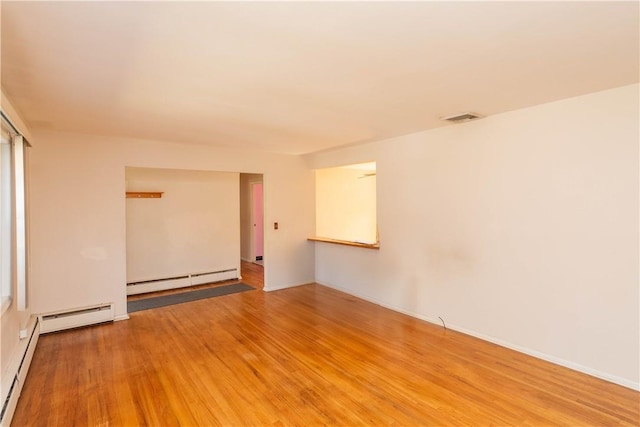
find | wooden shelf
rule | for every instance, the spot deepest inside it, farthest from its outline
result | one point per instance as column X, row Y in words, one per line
column 345, row 242
column 144, row 194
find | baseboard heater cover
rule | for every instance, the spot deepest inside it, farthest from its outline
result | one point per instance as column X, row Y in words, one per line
column 76, row 318
column 16, row 373
column 142, row 287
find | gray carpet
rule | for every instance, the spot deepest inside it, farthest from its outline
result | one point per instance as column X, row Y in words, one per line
column 155, row 302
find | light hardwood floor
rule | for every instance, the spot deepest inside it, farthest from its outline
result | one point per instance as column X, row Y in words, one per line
column 306, row 356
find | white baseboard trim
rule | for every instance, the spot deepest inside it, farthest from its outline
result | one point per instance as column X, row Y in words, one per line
column 76, row 317
column 16, row 372
column 184, row 281
column 121, row 317
column 549, row 358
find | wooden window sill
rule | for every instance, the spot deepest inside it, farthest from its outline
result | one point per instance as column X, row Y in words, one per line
column 144, row 194
column 345, row 242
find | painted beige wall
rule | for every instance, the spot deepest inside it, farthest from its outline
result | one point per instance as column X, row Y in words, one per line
column 193, row 228
column 345, row 204
column 78, row 220
column 12, row 320
column 521, row 228
column 245, row 213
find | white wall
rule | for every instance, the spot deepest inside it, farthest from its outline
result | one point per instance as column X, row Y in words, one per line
column 193, row 228
column 78, row 218
column 521, row 228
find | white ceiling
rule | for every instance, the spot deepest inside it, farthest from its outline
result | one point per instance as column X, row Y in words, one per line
column 298, row 77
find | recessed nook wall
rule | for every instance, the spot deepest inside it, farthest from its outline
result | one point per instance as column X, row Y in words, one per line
column 193, row 228
column 346, row 203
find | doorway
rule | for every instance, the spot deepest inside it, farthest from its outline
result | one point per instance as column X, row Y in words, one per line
column 252, row 218
column 257, row 219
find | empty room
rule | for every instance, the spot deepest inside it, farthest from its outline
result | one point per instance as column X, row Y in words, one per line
column 320, row 213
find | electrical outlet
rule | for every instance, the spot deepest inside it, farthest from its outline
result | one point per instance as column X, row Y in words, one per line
column 275, row 225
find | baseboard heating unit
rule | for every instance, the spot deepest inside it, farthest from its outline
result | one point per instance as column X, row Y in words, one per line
column 16, row 372
column 75, row 318
column 162, row 284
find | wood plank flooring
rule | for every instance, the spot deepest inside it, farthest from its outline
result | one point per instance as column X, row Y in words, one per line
column 306, row 356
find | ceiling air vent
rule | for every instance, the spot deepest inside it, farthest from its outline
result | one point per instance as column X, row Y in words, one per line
column 462, row 117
